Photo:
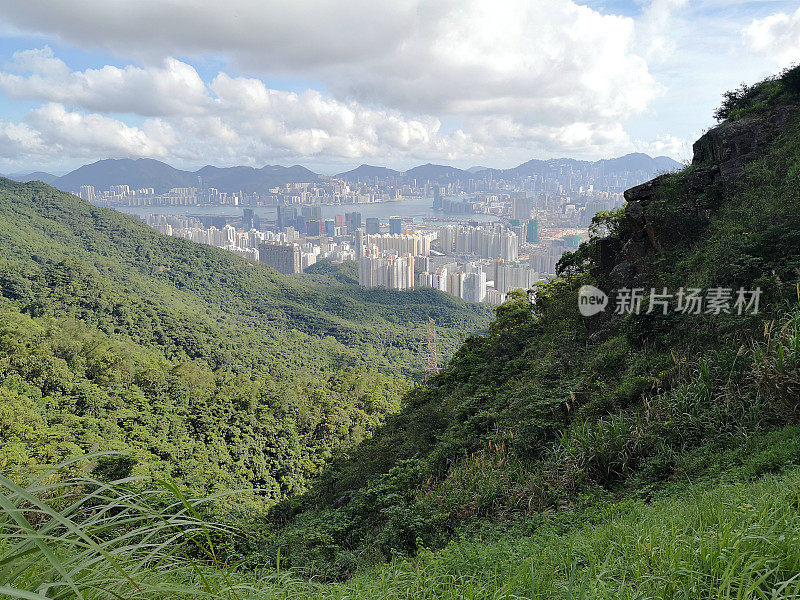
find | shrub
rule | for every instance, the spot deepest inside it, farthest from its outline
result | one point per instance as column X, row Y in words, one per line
column 606, row 450
column 777, row 368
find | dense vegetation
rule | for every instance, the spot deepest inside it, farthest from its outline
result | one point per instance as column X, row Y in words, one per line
column 735, row 538
column 618, row 456
column 551, row 408
column 196, row 363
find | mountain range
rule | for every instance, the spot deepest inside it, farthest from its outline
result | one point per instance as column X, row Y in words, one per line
column 147, row 172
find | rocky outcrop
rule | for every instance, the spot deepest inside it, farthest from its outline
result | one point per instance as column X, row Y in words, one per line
column 724, row 151
column 720, row 157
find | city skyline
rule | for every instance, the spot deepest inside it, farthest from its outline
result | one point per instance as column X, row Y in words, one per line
column 409, row 82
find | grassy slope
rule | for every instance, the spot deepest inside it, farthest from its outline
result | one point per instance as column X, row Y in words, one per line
column 729, row 535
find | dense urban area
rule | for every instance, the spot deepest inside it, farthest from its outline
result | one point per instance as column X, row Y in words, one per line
column 482, row 235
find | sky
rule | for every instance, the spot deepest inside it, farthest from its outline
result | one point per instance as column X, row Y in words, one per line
column 331, row 85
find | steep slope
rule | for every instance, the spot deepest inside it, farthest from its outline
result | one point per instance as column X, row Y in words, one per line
column 220, row 372
column 552, row 408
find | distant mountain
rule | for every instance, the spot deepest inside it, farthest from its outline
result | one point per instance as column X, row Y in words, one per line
column 368, row 173
column 138, row 173
column 249, row 179
column 439, row 173
column 638, row 163
column 35, row 176
column 145, row 172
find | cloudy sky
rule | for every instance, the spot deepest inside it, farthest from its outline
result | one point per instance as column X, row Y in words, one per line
column 331, row 85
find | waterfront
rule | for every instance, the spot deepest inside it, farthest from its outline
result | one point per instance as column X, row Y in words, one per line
column 414, row 209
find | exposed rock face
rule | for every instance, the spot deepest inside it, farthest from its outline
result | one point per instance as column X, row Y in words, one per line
column 720, row 157
column 727, row 148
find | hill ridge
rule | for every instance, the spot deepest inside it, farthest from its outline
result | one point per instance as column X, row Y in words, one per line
column 146, row 172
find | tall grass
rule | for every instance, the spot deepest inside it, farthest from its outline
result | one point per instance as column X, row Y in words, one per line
column 735, row 541
column 65, row 536
column 81, row 538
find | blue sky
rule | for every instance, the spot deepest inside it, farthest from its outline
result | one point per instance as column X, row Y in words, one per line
column 334, row 85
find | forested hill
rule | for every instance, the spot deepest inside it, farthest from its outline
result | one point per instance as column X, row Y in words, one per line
column 553, row 409
column 220, row 372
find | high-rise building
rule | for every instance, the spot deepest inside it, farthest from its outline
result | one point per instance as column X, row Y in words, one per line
column 514, row 276
column 287, row 215
column 521, row 209
column 455, row 284
column 393, row 272
column 352, row 221
column 509, row 246
column 474, row 287
column 87, row 193
column 437, row 198
column 532, row 235
column 312, row 212
column 373, row 225
column 329, row 227
column 284, row 258
column 248, row 217
column 415, row 245
column 359, row 244
column 395, row 225
column 313, row 228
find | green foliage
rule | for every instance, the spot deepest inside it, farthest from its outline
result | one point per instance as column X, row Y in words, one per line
column 759, row 98
column 730, row 539
column 614, row 456
column 611, row 404
column 195, row 363
column 65, row 537
column 605, row 225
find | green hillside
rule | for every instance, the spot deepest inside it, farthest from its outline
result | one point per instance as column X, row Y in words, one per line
column 551, row 407
column 639, row 454
column 219, row 372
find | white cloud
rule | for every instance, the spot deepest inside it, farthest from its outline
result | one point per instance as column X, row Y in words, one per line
column 19, row 140
column 539, row 62
column 233, row 119
column 776, row 36
column 667, row 145
column 241, row 120
column 59, row 131
column 404, row 79
column 171, row 88
column 655, row 34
